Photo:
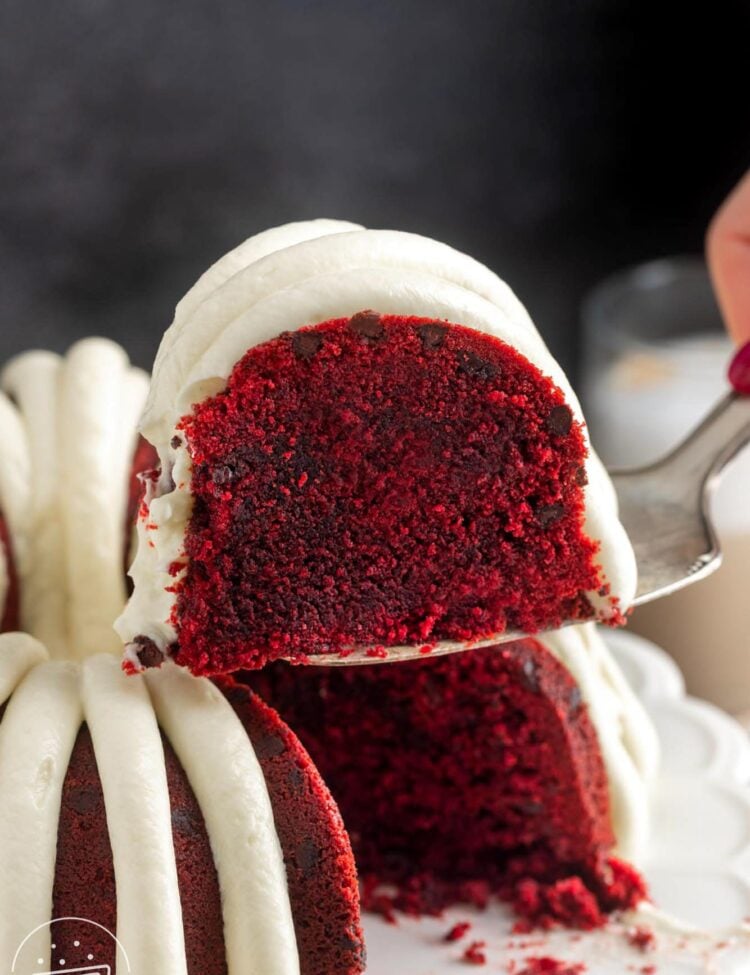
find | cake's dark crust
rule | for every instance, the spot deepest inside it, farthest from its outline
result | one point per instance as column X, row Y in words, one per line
column 422, row 475
column 9, row 611
column 465, row 776
column 84, row 873
column 320, row 867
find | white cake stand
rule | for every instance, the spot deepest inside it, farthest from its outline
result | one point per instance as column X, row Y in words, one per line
column 698, row 867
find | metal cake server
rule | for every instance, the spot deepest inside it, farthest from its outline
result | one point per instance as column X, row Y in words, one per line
column 665, row 510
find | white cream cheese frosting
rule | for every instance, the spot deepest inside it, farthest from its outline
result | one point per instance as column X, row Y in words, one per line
column 627, row 738
column 316, row 272
column 67, row 437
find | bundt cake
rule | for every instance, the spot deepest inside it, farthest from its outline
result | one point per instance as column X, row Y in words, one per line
column 363, row 442
column 157, row 823
column 514, row 771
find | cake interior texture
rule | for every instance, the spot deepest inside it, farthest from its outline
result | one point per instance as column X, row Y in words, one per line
column 422, row 475
column 465, row 777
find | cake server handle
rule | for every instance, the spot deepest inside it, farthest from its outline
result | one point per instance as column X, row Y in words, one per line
column 665, row 507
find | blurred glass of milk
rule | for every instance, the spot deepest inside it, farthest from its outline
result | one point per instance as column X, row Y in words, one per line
column 655, row 361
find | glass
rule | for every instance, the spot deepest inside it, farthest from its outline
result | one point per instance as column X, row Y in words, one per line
column 655, row 362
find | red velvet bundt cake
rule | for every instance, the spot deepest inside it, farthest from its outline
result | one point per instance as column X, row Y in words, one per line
column 207, row 842
column 334, row 478
column 153, row 824
column 484, row 773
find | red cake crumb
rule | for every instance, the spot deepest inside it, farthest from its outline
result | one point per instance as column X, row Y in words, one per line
column 422, row 474
column 552, row 966
column 642, row 938
column 457, row 931
column 474, row 954
column 463, row 778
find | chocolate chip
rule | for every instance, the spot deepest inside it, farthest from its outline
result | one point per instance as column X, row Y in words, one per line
column 560, row 420
column 296, row 781
column 367, row 325
column 308, row 856
column 475, row 366
column 183, row 823
column 149, row 655
column 269, row 746
column 306, row 344
column 550, row 513
column 83, row 800
column 529, row 807
column 432, row 334
column 222, row 474
column 347, row 943
column 582, row 478
column 175, row 442
column 530, row 675
column 574, row 699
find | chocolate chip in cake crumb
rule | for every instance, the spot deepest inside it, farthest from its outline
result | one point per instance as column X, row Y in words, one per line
column 367, row 325
column 269, row 746
column 296, row 781
column 530, row 675
column 183, row 823
column 560, row 420
column 175, row 442
column 222, row 474
column 308, row 856
column 574, row 700
column 83, row 799
column 475, row 366
column 306, row 344
column 529, row 808
column 432, row 334
column 582, row 478
column 550, row 513
column 148, row 653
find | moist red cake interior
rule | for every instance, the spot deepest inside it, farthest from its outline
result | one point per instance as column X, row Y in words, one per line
column 464, row 777
column 422, row 475
column 9, row 611
column 320, row 869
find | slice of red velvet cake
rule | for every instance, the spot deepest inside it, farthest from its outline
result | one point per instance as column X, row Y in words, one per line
column 334, row 477
column 483, row 774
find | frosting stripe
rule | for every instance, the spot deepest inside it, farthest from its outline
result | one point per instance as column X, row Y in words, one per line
column 130, row 759
column 95, row 401
column 624, row 731
column 229, row 785
column 33, row 380
column 19, row 652
column 37, row 735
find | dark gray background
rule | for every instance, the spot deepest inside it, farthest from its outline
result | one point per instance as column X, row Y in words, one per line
column 554, row 140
